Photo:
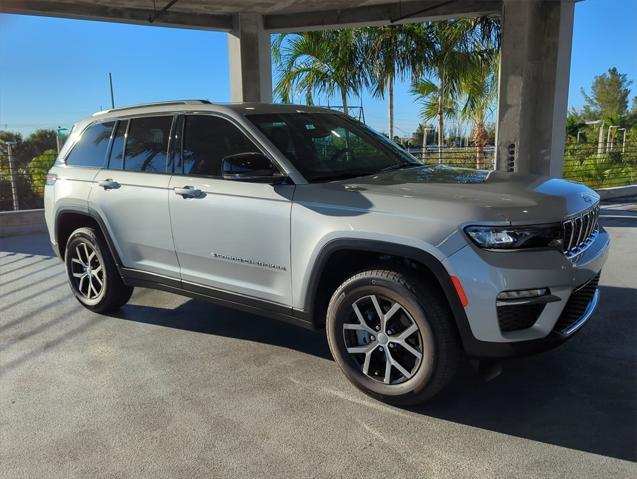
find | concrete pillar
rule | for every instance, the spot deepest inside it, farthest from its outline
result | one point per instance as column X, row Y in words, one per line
column 250, row 60
column 534, row 78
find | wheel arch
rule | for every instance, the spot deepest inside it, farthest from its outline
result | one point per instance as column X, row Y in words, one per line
column 375, row 249
column 69, row 219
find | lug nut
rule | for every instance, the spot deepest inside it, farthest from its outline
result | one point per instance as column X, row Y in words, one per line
column 389, row 332
column 372, row 338
column 377, row 328
column 380, row 349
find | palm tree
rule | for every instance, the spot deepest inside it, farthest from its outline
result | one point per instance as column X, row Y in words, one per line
column 458, row 51
column 389, row 51
column 481, row 89
column 323, row 62
column 480, row 84
column 448, row 62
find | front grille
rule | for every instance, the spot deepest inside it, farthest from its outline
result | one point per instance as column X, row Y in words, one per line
column 518, row 316
column 579, row 231
column 576, row 305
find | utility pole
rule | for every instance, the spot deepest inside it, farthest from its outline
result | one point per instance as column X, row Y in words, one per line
column 110, row 81
column 12, row 176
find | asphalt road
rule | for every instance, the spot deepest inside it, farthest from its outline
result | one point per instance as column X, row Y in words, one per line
column 172, row 387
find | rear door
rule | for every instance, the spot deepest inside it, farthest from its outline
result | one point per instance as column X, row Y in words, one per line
column 82, row 163
column 131, row 194
column 235, row 235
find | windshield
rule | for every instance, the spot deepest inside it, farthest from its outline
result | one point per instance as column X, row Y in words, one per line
column 331, row 146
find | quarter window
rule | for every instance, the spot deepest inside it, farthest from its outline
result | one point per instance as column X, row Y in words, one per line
column 147, row 144
column 207, row 140
column 90, row 151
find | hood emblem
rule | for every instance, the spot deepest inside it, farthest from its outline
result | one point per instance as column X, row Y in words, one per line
column 587, row 198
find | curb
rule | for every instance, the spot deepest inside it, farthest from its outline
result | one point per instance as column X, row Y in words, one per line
column 617, row 192
column 23, row 222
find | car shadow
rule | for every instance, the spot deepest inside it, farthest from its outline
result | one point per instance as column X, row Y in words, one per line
column 580, row 396
column 206, row 318
column 30, row 245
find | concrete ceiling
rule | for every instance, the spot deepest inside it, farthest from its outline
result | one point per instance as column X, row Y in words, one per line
column 279, row 15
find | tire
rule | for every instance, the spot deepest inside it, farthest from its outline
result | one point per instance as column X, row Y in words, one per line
column 92, row 273
column 434, row 336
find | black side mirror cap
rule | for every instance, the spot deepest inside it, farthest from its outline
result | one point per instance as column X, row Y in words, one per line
column 249, row 166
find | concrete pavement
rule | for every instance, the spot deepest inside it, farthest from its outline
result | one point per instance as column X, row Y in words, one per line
column 173, row 387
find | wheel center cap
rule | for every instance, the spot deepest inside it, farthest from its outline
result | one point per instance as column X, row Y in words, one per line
column 382, row 338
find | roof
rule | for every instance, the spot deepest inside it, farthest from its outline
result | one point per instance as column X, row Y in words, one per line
column 203, row 106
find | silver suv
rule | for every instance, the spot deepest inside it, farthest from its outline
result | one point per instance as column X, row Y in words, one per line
column 306, row 215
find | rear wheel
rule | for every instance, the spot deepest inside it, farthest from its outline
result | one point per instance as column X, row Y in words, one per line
column 392, row 336
column 92, row 272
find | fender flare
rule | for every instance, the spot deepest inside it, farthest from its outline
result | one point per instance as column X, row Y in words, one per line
column 393, row 249
column 95, row 216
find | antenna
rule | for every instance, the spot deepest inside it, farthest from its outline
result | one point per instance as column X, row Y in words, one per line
column 110, row 81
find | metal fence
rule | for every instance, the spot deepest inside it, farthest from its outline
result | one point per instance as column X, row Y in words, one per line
column 462, row 156
column 22, row 186
column 601, row 166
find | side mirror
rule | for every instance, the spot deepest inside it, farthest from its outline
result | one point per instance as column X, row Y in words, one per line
column 248, row 166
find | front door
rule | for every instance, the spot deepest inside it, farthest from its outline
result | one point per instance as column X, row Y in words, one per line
column 131, row 195
column 232, row 236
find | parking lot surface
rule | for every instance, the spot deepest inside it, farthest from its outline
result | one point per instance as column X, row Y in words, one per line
column 173, row 387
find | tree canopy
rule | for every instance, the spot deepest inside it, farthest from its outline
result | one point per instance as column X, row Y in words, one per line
column 608, row 97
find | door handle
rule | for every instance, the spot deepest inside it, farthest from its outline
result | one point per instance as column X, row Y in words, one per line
column 109, row 184
column 188, row 192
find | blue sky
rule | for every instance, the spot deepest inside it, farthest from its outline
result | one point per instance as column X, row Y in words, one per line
column 55, row 71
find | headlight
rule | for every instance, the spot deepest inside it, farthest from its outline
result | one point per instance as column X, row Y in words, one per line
column 515, row 237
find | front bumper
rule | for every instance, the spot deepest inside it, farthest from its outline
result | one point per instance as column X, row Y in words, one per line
column 484, row 274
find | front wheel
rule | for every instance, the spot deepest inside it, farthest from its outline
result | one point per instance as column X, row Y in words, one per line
column 392, row 336
column 92, row 272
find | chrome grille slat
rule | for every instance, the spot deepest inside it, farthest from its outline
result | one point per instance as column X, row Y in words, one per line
column 571, row 230
column 580, row 230
column 585, row 225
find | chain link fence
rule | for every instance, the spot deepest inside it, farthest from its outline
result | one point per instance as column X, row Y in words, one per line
column 22, row 186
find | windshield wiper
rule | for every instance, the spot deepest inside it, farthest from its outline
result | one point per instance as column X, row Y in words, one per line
column 342, row 176
column 399, row 166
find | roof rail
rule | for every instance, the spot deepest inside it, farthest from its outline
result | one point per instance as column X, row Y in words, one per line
column 157, row 103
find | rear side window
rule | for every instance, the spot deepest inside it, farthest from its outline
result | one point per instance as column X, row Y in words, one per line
column 207, row 140
column 90, row 150
column 116, row 161
column 147, row 144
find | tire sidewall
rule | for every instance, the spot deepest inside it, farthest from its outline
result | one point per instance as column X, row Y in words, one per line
column 76, row 238
column 340, row 310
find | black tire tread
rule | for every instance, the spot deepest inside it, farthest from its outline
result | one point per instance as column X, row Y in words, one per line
column 438, row 314
column 117, row 293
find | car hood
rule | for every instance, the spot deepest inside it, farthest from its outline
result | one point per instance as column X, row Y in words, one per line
column 462, row 194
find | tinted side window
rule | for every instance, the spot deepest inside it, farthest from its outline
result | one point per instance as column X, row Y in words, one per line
column 209, row 139
column 116, row 161
column 90, row 151
column 147, row 144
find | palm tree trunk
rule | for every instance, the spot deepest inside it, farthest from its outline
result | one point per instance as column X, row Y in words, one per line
column 480, row 138
column 344, row 100
column 441, row 137
column 390, row 95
